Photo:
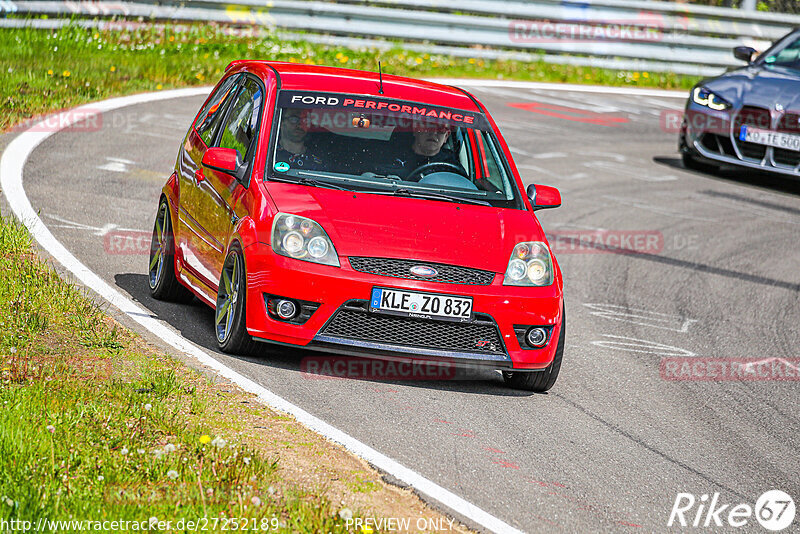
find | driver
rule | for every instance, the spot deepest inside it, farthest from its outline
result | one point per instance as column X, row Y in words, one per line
column 293, row 142
column 426, row 147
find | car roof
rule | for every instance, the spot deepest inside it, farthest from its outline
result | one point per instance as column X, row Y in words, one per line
column 298, row 76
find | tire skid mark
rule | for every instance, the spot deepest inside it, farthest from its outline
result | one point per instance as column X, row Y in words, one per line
column 640, row 442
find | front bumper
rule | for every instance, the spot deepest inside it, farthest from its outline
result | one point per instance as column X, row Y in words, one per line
column 713, row 136
column 342, row 290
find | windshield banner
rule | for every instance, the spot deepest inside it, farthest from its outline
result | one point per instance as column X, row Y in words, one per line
column 383, row 106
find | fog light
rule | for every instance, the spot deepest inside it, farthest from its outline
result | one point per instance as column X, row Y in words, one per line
column 536, row 337
column 286, row 309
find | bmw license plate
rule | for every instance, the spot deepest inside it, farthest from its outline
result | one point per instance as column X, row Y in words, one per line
column 769, row 138
column 422, row 305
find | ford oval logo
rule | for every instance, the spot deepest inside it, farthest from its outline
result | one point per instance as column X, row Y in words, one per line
column 423, row 271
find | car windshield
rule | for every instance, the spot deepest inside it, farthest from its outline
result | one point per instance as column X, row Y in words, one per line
column 786, row 54
column 389, row 146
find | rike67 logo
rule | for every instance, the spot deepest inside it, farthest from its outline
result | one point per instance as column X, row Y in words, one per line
column 774, row 510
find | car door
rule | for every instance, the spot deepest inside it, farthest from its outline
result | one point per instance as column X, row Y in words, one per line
column 193, row 240
column 222, row 192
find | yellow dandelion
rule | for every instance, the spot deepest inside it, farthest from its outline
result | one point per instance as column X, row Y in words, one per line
column 49, row 72
column 205, row 56
column 427, row 56
column 472, row 61
column 171, row 38
column 418, row 60
column 159, row 87
column 113, row 68
column 200, row 76
column 66, row 74
column 310, row 62
column 645, row 74
column 205, row 438
column 343, row 59
column 339, row 55
column 366, row 529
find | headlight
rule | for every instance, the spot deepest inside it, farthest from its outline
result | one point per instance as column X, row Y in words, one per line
column 302, row 239
column 706, row 98
column 530, row 265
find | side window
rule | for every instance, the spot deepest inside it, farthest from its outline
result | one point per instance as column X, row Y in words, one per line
column 211, row 115
column 241, row 124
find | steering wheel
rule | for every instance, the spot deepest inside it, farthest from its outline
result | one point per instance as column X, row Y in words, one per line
column 445, row 167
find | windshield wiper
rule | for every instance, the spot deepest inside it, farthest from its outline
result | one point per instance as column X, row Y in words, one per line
column 309, row 181
column 405, row 192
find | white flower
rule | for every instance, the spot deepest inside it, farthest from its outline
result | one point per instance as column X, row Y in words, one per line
column 13, row 350
column 140, row 451
column 271, row 490
column 169, row 447
column 246, row 460
column 218, row 442
column 50, row 428
column 346, row 514
column 9, row 502
column 101, row 478
column 172, row 474
column 123, row 451
column 148, row 406
column 256, row 501
column 158, row 453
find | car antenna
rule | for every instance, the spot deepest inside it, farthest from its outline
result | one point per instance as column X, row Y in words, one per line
column 380, row 77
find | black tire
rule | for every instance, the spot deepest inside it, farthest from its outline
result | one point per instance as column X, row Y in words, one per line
column 540, row 381
column 163, row 283
column 690, row 163
column 230, row 323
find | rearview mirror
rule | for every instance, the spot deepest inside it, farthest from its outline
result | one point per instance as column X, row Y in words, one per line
column 226, row 160
column 543, row 196
column 744, row 53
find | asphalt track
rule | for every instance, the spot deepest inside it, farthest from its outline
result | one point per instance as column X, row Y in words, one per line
column 614, row 442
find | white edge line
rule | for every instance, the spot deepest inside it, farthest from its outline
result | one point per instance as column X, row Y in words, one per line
column 11, row 169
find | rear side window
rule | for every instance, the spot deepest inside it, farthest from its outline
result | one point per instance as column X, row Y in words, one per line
column 241, row 126
column 211, row 115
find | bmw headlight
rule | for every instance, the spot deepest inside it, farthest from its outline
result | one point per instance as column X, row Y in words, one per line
column 704, row 97
column 530, row 265
column 302, row 239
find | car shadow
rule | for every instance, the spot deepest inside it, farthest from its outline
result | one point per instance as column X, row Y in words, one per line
column 195, row 322
column 740, row 176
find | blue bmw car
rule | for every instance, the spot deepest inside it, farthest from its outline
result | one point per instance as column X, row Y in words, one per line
column 748, row 117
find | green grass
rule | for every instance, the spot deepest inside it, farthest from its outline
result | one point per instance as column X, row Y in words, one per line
column 93, row 425
column 43, row 71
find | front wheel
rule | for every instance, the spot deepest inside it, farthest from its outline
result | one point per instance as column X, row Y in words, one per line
column 690, row 163
column 540, row 381
column 229, row 316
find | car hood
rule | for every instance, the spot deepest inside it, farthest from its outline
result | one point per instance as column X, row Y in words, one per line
column 759, row 86
column 362, row 224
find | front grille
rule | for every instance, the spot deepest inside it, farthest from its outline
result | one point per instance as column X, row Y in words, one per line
column 789, row 123
column 447, row 274
column 752, row 116
column 353, row 323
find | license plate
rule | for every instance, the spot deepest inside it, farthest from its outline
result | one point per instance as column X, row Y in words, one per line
column 769, row 138
column 422, row 305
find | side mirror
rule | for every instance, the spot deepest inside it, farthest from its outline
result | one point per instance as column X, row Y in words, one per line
column 744, row 53
column 225, row 160
column 543, row 196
